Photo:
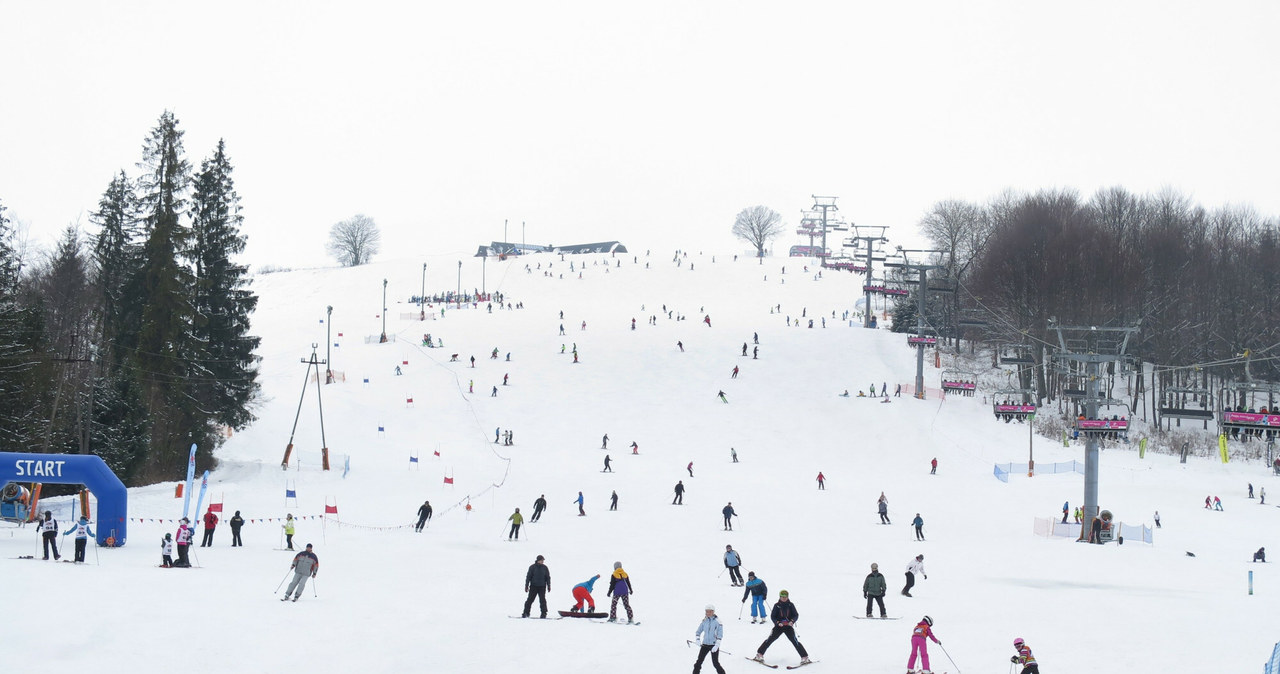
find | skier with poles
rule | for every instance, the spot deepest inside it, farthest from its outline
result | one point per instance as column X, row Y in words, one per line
column 922, row 630
column 679, row 499
column 709, row 635
column 184, row 543
column 166, row 552
column 82, row 531
column 882, row 505
column 728, row 513
column 733, row 562
column 1024, row 658
column 538, row 506
column 579, row 501
column 918, row 523
column 305, row 564
column 784, row 617
column 424, row 514
column 516, row 520
column 288, row 527
column 757, row 590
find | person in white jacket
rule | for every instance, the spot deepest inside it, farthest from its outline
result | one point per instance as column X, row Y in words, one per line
column 709, row 635
column 83, row 532
column 166, row 551
column 916, row 566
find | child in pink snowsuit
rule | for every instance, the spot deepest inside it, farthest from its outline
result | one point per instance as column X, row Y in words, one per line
column 918, row 644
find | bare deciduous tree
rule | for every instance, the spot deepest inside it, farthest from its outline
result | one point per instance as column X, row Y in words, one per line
column 354, row 241
column 756, row 225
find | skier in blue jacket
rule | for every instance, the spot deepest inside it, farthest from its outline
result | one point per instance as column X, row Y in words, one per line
column 83, row 532
column 709, row 635
column 757, row 590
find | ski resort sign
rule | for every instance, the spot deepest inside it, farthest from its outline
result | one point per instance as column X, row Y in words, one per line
column 91, row 471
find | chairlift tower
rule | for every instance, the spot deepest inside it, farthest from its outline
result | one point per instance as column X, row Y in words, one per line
column 1091, row 346
column 923, row 291
column 826, row 204
column 870, row 236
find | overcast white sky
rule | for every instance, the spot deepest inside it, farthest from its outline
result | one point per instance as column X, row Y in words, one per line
column 651, row 123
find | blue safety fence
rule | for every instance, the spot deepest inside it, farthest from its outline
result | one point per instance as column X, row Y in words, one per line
column 1002, row 470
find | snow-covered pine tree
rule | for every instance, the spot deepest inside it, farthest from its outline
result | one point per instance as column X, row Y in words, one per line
column 226, row 379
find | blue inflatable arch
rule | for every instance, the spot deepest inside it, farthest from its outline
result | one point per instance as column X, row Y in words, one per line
column 86, row 469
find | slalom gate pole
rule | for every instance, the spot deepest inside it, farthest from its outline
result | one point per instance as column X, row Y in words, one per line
column 953, row 662
column 282, row 580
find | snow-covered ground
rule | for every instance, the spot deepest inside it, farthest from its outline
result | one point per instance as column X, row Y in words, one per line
column 388, row 599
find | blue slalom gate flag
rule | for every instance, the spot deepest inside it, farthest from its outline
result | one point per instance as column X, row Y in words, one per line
column 290, row 493
column 191, row 476
column 204, row 485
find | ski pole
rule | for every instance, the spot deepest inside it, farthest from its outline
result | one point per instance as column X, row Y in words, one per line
column 953, row 662
column 316, row 594
column 740, row 607
column 282, row 580
column 96, row 561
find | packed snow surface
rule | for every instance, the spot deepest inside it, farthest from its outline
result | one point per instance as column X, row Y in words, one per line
column 387, row 599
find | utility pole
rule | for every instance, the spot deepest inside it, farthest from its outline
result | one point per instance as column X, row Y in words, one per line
column 484, row 260
column 324, row 447
column 522, row 241
column 871, row 236
column 923, row 269
column 383, row 339
column 328, row 342
column 422, row 297
column 459, row 297
column 1092, row 347
column 504, row 236
column 826, row 204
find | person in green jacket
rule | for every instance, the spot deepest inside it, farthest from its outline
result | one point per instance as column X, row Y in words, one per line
column 516, row 520
column 289, row 530
column 873, row 589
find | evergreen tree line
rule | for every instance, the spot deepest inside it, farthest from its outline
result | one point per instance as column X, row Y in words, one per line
column 133, row 342
column 1204, row 284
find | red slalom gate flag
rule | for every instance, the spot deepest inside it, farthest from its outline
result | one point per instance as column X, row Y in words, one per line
column 448, row 480
column 437, row 453
column 331, row 509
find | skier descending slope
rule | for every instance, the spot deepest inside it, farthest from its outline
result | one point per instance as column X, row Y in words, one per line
column 757, row 591
column 305, row 564
column 922, row 630
column 784, row 617
column 709, row 635
column 1024, row 658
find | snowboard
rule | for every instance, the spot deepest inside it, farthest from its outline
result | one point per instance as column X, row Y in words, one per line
column 580, row 614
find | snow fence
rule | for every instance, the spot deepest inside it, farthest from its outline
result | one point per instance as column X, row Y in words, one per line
column 1052, row 527
column 1002, row 470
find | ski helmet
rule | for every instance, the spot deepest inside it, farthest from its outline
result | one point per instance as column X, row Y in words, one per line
column 1018, row 642
column 711, row 607
column 928, row 621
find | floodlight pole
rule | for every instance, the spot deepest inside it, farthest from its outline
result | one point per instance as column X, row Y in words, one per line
column 384, row 312
column 328, row 334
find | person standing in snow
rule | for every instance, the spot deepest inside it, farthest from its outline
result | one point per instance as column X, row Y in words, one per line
column 822, row 481
column 621, row 589
column 236, row 522
column 604, row 442
column 635, row 449
column 933, row 466
column 1065, row 508
column 734, row 374
column 1157, row 518
column 305, row 564
column 923, row 630
column 916, row 566
column 784, row 617
column 607, row 469
column 516, row 520
column 709, row 635
column 210, row 523
column 83, row 532
column 883, row 507
column 873, row 589
column 723, row 399
column 424, row 514
column 728, row 513
column 289, row 530
column 1024, row 658
column 166, row 551
column 48, row 528
column 184, row 542
column 613, row 500
column 757, row 590
column 733, row 453
column 582, row 595
column 690, row 469
column 537, row 582
column 579, row 501
column 538, row 506
column 679, row 499
column 918, row 523
column 733, row 562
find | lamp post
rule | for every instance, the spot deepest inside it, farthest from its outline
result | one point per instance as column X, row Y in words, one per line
column 384, row 311
column 459, row 297
column 422, row 297
column 328, row 334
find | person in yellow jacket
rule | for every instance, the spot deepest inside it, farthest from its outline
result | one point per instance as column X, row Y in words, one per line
column 289, row 530
column 516, row 520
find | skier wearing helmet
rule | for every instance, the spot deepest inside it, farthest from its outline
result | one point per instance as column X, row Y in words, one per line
column 709, row 635
column 1024, row 658
column 923, row 630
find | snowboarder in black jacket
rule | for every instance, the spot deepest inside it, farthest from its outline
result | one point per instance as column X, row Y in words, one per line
column 537, row 581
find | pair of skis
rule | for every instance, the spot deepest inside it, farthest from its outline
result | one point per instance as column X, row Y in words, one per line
column 761, row 662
